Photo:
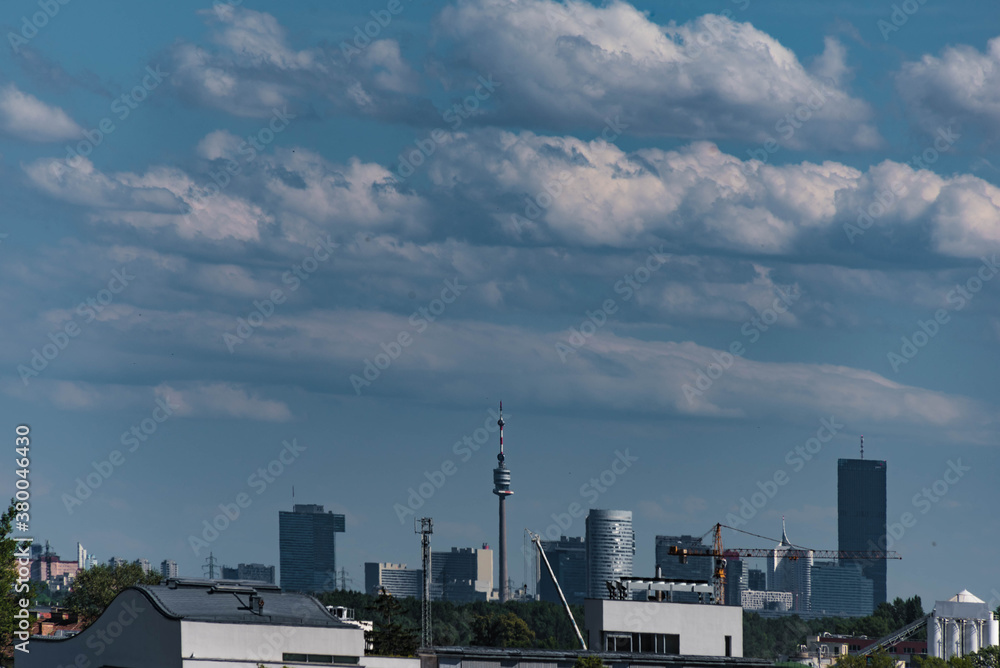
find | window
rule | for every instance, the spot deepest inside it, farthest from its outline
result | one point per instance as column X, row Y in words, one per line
column 729, row 645
column 617, row 642
column 327, row 659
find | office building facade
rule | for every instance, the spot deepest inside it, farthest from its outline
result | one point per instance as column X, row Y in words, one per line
column 737, row 579
column 697, row 569
column 397, row 579
column 307, row 546
column 462, row 575
column 861, row 516
column 756, row 579
column 568, row 558
column 840, row 590
column 610, row 544
column 254, row 572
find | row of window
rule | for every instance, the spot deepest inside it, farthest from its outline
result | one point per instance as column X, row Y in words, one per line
column 328, row 659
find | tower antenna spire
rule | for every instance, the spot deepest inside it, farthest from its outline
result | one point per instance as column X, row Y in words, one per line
column 501, row 487
column 862, row 446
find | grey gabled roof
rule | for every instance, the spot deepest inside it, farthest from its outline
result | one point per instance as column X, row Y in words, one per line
column 226, row 601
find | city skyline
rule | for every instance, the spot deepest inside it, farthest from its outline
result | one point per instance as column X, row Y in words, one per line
column 256, row 254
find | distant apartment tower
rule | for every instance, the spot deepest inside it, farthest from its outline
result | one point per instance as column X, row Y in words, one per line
column 756, row 579
column 255, row 572
column 307, row 546
column 610, row 544
column 144, row 565
column 568, row 558
column 115, row 562
column 397, row 579
column 168, row 568
column 81, row 557
column 861, row 516
column 840, row 590
column 462, row 575
column 671, row 566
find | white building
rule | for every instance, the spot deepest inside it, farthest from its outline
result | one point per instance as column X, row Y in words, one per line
column 791, row 574
column 658, row 627
column 206, row 624
column 961, row 625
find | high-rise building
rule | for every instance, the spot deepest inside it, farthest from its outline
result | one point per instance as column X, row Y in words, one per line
column 671, row 566
column 840, row 590
column 255, row 572
column 144, row 565
column 307, row 546
column 462, row 575
column 756, row 579
column 610, row 544
column 790, row 573
column 861, row 517
column 168, row 568
column 81, row 557
column 737, row 579
column 568, row 558
column 397, row 579
column 115, row 562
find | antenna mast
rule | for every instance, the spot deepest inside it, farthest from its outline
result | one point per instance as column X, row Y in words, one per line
column 501, row 487
column 862, row 446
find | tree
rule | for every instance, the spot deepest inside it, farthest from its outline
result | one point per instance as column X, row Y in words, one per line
column 96, row 587
column 390, row 637
column 502, row 630
column 987, row 657
column 589, row 661
column 11, row 591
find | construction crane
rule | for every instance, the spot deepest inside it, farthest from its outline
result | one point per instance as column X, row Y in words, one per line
column 537, row 540
column 792, row 552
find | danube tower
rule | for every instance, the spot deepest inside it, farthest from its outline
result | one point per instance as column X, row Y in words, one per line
column 501, row 487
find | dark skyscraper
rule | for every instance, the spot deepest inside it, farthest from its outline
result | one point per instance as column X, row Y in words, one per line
column 861, row 516
column 568, row 558
column 306, row 541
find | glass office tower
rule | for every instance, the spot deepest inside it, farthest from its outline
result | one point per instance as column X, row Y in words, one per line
column 861, row 524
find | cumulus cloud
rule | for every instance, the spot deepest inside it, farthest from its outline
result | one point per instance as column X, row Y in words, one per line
column 567, row 65
column 26, row 117
column 222, row 400
column 249, row 69
column 595, row 194
column 961, row 85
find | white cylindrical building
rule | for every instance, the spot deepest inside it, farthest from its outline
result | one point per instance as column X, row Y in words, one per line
column 934, row 636
column 970, row 636
column 951, row 639
column 993, row 635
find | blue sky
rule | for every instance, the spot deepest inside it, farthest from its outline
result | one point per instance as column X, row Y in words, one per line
column 680, row 235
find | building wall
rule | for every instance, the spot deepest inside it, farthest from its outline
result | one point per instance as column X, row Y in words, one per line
column 252, row 642
column 398, row 580
column 702, row 628
column 307, row 544
column 610, row 549
column 130, row 634
column 461, row 574
column 696, row 568
column 840, row 590
column 568, row 558
column 861, row 516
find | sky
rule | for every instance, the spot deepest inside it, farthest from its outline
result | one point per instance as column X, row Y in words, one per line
column 698, row 249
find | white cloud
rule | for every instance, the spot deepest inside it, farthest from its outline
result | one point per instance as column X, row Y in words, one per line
column 568, row 64
column 26, row 117
column 962, row 84
column 222, row 400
